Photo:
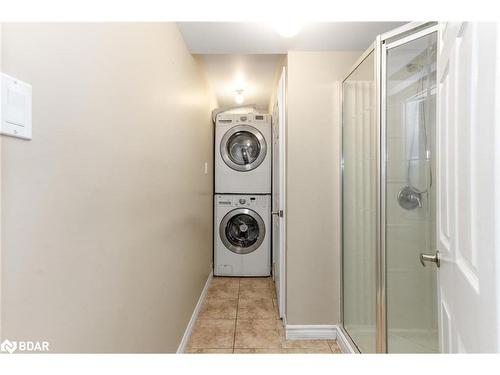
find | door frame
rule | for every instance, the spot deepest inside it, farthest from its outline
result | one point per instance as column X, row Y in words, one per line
column 281, row 97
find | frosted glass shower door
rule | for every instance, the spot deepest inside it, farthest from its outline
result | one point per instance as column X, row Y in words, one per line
column 359, row 182
column 410, row 76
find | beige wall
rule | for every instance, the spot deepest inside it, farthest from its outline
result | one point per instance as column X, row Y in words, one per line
column 313, row 143
column 107, row 212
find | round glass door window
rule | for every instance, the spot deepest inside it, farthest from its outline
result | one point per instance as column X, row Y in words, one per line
column 242, row 231
column 243, row 148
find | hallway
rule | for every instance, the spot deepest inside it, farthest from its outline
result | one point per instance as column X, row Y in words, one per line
column 240, row 315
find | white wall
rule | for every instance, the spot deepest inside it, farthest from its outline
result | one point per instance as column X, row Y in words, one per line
column 107, row 212
column 313, row 146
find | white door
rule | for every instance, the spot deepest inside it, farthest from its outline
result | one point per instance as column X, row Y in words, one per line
column 468, row 202
column 278, row 205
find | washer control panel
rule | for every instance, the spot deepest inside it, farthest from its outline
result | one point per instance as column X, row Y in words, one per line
column 243, row 201
column 254, row 119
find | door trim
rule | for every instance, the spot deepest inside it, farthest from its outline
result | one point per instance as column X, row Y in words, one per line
column 283, row 139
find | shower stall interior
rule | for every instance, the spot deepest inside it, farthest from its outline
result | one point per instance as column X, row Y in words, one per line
column 389, row 292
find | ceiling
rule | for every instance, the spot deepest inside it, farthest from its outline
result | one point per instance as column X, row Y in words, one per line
column 261, row 38
column 246, row 55
column 255, row 74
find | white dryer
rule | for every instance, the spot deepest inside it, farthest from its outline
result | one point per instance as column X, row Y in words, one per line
column 243, row 153
column 242, row 235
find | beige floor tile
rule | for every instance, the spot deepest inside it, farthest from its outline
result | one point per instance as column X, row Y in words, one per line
column 257, row 334
column 212, row 334
column 259, row 351
column 276, row 309
column 256, row 282
column 306, row 344
column 219, row 309
column 307, row 351
column 261, row 308
column 273, row 291
column 334, row 347
column 231, row 282
column 281, row 329
column 248, row 291
column 223, row 292
column 209, row 351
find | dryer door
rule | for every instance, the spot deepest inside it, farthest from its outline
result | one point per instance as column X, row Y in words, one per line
column 243, row 148
column 242, row 231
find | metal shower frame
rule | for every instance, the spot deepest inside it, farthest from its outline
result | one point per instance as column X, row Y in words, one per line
column 379, row 47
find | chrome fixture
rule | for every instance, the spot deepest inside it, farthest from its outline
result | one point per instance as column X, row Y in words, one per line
column 278, row 213
column 430, row 258
column 409, row 198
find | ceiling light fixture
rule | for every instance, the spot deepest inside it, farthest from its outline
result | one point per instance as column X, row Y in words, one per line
column 239, row 98
column 288, row 29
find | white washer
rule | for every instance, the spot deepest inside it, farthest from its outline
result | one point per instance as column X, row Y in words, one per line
column 243, row 154
column 242, row 235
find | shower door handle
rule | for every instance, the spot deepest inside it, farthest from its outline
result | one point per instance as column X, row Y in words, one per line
column 430, row 258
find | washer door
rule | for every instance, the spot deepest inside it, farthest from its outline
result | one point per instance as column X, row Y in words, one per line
column 242, row 231
column 243, row 148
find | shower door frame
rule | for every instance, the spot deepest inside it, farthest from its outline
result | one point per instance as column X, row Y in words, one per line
column 372, row 49
column 388, row 41
column 382, row 43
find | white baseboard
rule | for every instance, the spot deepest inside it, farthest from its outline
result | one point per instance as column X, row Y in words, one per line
column 187, row 333
column 318, row 332
column 311, row 332
column 344, row 343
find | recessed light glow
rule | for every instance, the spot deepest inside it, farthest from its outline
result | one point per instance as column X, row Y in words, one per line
column 288, row 29
column 239, row 98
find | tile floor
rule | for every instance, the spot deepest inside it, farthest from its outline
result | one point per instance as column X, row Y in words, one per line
column 240, row 315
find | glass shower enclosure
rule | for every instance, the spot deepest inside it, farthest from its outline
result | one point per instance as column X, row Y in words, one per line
column 389, row 291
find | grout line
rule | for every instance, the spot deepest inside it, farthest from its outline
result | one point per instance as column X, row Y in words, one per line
column 331, row 343
column 236, row 317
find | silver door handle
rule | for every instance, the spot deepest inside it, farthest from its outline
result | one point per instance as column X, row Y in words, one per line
column 278, row 213
column 430, row 258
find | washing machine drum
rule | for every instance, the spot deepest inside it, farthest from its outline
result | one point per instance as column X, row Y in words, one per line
column 243, row 148
column 242, row 231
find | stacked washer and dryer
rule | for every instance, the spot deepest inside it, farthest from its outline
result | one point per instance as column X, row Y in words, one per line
column 242, row 205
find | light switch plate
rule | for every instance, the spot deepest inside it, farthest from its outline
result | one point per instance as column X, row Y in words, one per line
column 16, row 107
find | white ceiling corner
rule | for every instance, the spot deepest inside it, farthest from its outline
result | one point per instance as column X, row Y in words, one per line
column 261, row 38
column 254, row 74
column 246, row 55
